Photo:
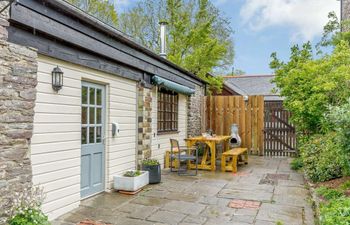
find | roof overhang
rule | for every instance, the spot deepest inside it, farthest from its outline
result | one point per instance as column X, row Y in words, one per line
column 61, row 30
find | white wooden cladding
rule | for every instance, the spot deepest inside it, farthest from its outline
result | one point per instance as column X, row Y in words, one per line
column 56, row 143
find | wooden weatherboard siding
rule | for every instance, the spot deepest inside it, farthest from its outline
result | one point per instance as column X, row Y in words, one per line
column 56, row 143
column 161, row 142
column 220, row 112
column 41, row 20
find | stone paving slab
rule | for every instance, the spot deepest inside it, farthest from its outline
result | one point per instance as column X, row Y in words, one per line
column 166, row 217
column 256, row 195
column 286, row 214
column 205, row 199
column 189, row 208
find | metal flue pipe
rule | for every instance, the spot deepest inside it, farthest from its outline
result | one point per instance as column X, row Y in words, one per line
column 163, row 38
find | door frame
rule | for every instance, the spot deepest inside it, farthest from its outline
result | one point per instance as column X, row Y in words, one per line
column 104, row 133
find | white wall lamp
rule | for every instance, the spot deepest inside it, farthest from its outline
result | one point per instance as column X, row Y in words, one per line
column 57, row 79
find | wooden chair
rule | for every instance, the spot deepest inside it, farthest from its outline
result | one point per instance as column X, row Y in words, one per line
column 167, row 159
column 182, row 154
column 232, row 155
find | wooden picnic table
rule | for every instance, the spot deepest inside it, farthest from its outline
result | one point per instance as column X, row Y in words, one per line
column 211, row 142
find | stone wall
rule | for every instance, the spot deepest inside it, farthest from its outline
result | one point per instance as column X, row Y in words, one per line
column 18, row 68
column 345, row 5
column 144, row 124
column 194, row 112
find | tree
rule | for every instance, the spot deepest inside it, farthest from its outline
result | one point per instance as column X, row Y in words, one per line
column 310, row 85
column 199, row 37
column 334, row 32
column 101, row 9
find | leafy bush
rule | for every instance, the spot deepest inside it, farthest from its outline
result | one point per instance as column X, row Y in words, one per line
column 29, row 217
column 311, row 85
column 26, row 206
column 335, row 212
column 328, row 193
column 340, row 118
column 345, row 186
column 323, row 157
column 150, row 162
column 132, row 173
column 297, row 163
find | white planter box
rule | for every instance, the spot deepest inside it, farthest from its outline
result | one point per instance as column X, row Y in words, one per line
column 131, row 183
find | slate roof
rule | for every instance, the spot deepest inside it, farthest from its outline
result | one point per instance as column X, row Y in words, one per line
column 253, row 85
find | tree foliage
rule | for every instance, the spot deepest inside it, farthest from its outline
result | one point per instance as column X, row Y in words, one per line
column 334, row 32
column 199, row 37
column 316, row 91
column 311, row 85
column 100, row 9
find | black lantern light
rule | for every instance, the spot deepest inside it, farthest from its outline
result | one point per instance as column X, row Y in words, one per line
column 57, row 78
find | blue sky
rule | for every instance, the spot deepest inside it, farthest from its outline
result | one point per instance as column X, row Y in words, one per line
column 265, row 26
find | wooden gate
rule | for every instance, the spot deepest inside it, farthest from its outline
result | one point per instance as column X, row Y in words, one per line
column 279, row 133
column 220, row 112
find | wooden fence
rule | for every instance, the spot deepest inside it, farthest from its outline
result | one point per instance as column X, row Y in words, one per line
column 220, row 112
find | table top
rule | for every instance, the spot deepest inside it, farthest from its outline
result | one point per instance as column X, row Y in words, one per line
column 216, row 138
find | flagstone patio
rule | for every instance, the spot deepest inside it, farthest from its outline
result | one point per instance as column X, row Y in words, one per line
column 263, row 192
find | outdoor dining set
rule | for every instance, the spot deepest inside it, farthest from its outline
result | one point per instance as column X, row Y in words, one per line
column 201, row 152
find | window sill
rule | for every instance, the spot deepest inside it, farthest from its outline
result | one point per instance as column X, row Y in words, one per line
column 167, row 132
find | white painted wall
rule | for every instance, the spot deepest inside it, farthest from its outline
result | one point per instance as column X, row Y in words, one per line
column 161, row 143
column 55, row 147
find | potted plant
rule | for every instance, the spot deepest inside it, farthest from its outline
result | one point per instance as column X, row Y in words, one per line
column 153, row 167
column 131, row 181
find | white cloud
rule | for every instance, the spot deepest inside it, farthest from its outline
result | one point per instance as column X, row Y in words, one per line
column 306, row 18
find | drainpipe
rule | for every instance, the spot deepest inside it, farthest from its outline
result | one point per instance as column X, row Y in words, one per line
column 163, row 38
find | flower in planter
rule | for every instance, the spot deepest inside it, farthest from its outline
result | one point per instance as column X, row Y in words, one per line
column 132, row 173
column 150, row 162
column 153, row 167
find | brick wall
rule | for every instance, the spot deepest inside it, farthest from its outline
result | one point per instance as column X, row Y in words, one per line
column 18, row 68
column 345, row 9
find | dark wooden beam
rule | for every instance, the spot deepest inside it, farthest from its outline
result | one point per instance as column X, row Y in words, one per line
column 61, row 51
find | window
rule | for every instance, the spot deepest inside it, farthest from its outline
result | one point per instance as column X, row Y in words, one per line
column 167, row 111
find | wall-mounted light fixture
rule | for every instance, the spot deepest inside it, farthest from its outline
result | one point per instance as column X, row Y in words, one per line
column 57, row 79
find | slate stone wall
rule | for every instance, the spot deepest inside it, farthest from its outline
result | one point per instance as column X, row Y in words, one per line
column 195, row 112
column 18, row 69
column 345, row 9
column 144, row 124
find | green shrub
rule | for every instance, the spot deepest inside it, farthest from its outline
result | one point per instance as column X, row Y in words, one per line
column 345, row 186
column 328, row 193
column 340, row 118
column 150, row 162
column 132, row 173
column 323, row 157
column 297, row 163
column 336, row 212
column 29, row 217
column 26, row 208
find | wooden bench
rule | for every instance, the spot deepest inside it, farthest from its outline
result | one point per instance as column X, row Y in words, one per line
column 232, row 157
